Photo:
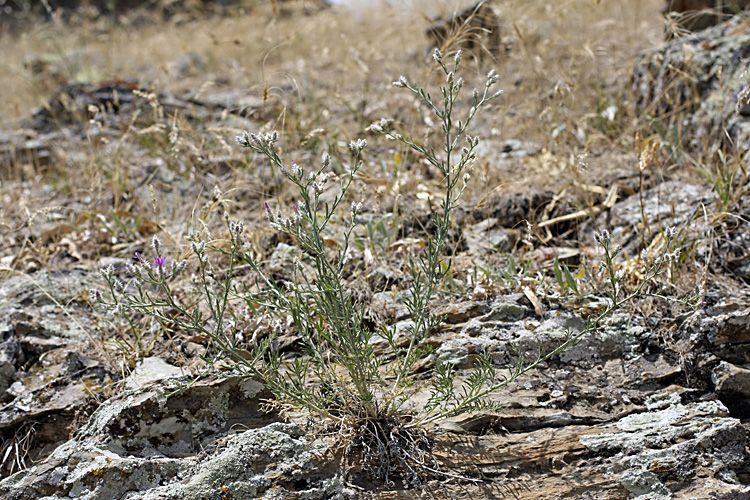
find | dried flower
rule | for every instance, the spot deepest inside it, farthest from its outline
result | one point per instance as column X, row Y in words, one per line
column 178, row 267
column 672, row 257
column 401, row 82
column 602, row 238
column 236, row 228
column 95, row 295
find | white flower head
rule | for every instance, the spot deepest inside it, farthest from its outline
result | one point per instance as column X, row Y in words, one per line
column 156, row 244
column 236, row 228
column 492, row 78
column 198, row 247
column 602, row 238
column 457, row 59
column 243, row 140
column 357, row 146
column 296, row 170
column 355, row 209
column 107, row 272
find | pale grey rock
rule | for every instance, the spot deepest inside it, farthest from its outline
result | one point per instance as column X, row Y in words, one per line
column 486, row 236
column 149, row 445
column 731, row 378
column 149, row 370
column 724, row 331
column 507, row 310
column 670, row 204
column 700, row 74
column 282, row 261
column 8, row 357
column 390, row 305
column 683, row 440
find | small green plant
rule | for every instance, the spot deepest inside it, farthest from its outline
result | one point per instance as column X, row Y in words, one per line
column 141, row 331
column 563, row 276
column 726, row 177
column 337, row 374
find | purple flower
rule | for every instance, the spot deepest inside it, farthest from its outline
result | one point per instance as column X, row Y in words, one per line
column 268, row 208
column 159, row 261
column 138, row 256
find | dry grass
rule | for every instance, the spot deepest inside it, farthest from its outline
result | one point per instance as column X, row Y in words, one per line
column 319, row 79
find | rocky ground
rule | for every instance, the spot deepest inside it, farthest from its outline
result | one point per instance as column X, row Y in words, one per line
column 102, row 147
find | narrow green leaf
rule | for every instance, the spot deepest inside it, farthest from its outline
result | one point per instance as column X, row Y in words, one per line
column 570, row 280
column 558, row 273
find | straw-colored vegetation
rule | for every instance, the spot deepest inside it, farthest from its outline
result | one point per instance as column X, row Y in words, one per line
column 321, row 78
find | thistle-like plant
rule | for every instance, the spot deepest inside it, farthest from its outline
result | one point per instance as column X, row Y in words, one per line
column 335, row 373
column 429, row 269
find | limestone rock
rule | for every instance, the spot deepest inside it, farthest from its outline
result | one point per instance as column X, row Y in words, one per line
column 151, row 369
column 671, row 204
column 672, row 442
column 257, row 463
column 148, row 444
column 691, row 84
